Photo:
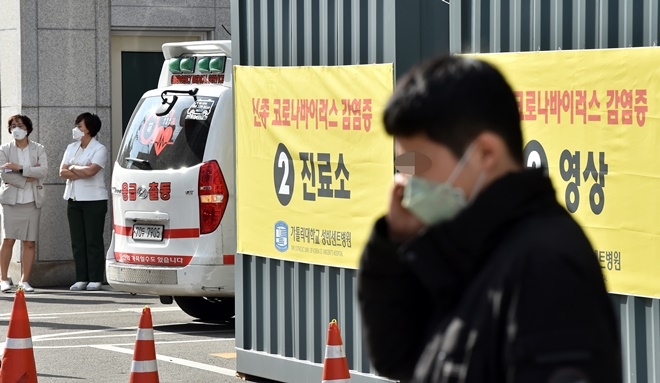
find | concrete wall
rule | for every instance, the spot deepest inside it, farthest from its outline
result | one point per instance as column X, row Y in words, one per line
column 172, row 15
column 54, row 65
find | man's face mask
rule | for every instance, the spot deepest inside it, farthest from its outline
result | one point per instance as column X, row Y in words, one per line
column 434, row 202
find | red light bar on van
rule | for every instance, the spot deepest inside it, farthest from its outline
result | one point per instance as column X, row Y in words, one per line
column 198, row 79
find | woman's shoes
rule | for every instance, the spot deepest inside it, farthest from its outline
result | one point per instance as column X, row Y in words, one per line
column 94, row 286
column 89, row 286
column 78, row 286
column 26, row 287
column 5, row 286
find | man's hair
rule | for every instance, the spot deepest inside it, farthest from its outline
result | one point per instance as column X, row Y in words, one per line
column 24, row 119
column 452, row 100
column 92, row 122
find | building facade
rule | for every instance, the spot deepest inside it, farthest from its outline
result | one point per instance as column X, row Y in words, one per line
column 60, row 58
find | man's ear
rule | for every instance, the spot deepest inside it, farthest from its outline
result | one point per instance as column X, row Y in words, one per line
column 490, row 150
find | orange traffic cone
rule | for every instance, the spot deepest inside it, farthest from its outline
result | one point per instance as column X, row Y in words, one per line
column 18, row 360
column 335, row 365
column 144, row 368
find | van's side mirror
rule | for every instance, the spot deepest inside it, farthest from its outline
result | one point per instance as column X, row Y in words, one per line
column 166, row 107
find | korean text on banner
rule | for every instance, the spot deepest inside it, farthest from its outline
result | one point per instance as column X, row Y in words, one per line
column 314, row 164
column 591, row 119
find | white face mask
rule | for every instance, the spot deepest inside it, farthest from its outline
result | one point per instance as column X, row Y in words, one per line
column 18, row 133
column 77, row 133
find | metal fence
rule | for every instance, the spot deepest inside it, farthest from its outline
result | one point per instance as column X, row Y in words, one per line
column 532, row 25
column 283, row 307
column 322, row 32
column 488, row 26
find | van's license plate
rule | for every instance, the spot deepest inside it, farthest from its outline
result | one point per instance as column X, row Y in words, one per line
column 148, row 232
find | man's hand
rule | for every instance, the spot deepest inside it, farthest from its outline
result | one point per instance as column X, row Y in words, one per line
column 403, row 225
column 30, row 179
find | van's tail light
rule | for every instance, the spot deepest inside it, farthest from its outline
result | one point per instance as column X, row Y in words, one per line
column 213, row 196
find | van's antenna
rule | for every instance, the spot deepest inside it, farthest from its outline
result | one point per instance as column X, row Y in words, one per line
column 226, row 30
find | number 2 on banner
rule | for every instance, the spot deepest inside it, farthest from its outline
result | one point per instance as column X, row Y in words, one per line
column 283, row 175
column 283, row 162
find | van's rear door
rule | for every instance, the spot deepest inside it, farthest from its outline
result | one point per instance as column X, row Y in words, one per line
column 155, row 197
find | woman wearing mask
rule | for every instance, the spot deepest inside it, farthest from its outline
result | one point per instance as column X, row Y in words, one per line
column 23, row 167
column 83, row 168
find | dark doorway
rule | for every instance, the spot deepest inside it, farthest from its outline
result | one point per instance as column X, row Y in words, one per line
column 139, row 73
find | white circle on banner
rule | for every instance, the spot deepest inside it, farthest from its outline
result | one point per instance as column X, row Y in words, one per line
column 534, row 156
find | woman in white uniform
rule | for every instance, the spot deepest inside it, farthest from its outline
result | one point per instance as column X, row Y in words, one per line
column 83, row 167
column 23, row 167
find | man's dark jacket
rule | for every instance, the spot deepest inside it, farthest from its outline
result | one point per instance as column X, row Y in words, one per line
column 508, row 291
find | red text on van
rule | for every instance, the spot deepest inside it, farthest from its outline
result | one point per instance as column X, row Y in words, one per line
column 155, row 191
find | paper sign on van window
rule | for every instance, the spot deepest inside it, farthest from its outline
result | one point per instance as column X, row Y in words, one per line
column 314, row 164
column 200, row 110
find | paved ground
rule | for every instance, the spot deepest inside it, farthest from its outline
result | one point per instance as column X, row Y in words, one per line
column 90, row 336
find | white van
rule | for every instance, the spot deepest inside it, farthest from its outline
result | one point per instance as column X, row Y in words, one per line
column 174, row 216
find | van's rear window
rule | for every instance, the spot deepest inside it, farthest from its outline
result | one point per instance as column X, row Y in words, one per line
column 173, row 141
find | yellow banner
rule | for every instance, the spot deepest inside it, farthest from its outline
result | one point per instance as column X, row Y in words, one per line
column 590, row 117
column 314, row 164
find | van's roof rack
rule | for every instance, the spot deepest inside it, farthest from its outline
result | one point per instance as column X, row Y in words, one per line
column 207, row 47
